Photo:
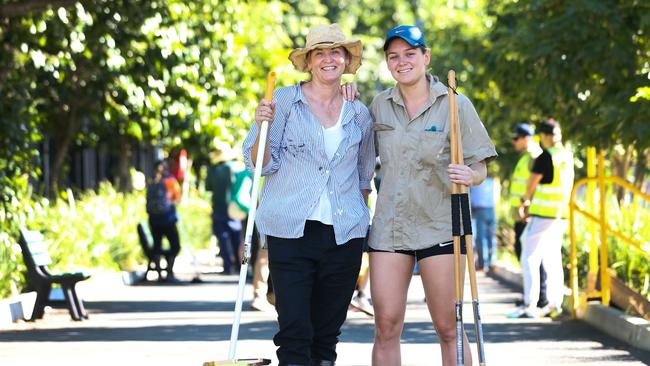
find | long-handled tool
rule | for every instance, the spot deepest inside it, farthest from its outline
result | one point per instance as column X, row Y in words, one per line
column 268, row 95
column 460, row 211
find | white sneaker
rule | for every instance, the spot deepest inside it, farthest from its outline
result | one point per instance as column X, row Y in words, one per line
column 364, row 304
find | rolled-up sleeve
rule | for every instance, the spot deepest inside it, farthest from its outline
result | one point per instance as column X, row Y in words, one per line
column 275, row 136
column 366, row 162
column 477, row 145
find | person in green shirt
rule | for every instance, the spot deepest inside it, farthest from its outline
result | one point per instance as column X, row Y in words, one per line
column 219, row 181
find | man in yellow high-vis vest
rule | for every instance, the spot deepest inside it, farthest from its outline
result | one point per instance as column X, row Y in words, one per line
column 546, row 202
column 523, row 142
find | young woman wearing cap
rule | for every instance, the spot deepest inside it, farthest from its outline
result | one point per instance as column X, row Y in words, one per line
column 318, row 165
column 412, row 219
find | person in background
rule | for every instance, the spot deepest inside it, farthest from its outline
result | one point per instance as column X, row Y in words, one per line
column 483, row 198
column 317, row 165
column 362, row 299
column 219, row 181
column 412, row 221
column 546, row 201
column 163, row 192
column 523, row 142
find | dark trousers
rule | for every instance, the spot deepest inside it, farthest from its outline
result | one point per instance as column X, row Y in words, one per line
column 169, row 231
column 228, row 233
column 519, row 229
column 313, row 280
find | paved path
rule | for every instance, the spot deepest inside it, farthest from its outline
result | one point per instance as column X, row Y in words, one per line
column 186, row 324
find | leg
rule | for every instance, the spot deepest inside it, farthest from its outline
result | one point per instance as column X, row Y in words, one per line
column 293, row 267
column 543, row 299
column 72, row 306
column 480, row 237
column 519, row 229
column 42, row 296
column 552, row 260
column 490, row 237
column 531, row 259
column 437, row 273
column 220, row 230
column 390, row 275
column 260, row 276
column 335, row 281
column 157, row 234
column 234, row 232
column 171, row 232
column 78, row 302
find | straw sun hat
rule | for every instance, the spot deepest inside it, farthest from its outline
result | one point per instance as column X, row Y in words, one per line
column 327, row 36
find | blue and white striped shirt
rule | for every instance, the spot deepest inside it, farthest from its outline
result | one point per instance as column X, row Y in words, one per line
column 299, row 169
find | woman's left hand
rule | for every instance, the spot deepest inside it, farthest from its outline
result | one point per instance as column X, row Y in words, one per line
column 461, row 174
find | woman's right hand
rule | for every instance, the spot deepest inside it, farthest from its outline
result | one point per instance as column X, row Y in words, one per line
column 265, row 112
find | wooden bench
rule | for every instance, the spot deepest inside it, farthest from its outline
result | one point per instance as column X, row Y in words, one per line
column 37, row 260
column 153, row 258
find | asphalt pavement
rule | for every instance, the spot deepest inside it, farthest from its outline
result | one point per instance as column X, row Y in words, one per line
column 189, row 323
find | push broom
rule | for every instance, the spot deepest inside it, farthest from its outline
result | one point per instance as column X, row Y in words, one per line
column 268, row 95
column 460, row 212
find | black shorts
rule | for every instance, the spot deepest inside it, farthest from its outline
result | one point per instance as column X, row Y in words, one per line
column 438, row 249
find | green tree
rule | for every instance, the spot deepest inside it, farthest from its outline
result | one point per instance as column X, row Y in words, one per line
column 583, row 62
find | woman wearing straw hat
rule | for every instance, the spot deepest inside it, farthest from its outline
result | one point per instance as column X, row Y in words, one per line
column 318, row 164
column 412, row 221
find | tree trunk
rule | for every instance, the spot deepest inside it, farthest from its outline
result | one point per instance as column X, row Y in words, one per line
column 63, row 138
column 621, row 161
column 124, row 182
column 641, row 169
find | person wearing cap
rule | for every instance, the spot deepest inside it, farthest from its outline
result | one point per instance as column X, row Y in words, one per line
column 318, row 164
column 219, row 181
column 523, row 142
column 412, row 221
column 546, row 202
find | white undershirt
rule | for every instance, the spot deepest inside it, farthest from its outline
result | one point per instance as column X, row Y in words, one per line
column 332, row 137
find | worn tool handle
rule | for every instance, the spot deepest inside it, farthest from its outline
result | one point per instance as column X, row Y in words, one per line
column 234, row 334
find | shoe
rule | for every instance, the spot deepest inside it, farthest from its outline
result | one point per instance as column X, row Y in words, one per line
column 260, row 304
column 270, row 297
column 364, row 304
column 172, row 279
column 523, row 312
column 552, row 312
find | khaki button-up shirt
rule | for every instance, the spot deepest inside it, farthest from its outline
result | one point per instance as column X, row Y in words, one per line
column 414, row 203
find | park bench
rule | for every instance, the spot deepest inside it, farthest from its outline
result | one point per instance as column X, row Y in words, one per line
column 153, row 258
column 37, row 260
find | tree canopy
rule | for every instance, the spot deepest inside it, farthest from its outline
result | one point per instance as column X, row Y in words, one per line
column 173, row 73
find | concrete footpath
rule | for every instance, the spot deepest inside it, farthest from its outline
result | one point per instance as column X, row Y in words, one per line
column 187, row 324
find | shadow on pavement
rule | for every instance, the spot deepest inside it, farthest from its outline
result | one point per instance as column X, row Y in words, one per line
column 96, row 307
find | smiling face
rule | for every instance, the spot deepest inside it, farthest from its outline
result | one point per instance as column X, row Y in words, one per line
column 406, row 63
column 327, row 64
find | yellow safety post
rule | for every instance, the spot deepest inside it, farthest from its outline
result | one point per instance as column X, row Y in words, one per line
column 573, row 256
column 604, row 276
column 591, row 208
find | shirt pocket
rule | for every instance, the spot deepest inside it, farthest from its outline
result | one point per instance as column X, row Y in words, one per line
column 433, row 147
column 385, row 133
column 433, row 157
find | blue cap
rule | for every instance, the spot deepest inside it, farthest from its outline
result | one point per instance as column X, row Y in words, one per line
column 410, row 33
column 524, row 129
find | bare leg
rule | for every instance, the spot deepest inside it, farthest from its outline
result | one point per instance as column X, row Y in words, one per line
column 390, row 275
column 437, row 275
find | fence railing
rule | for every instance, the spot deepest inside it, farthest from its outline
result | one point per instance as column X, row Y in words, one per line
column 598, row 266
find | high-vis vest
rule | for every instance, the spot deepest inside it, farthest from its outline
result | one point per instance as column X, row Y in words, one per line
column 552, row 200
column 519, row 181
